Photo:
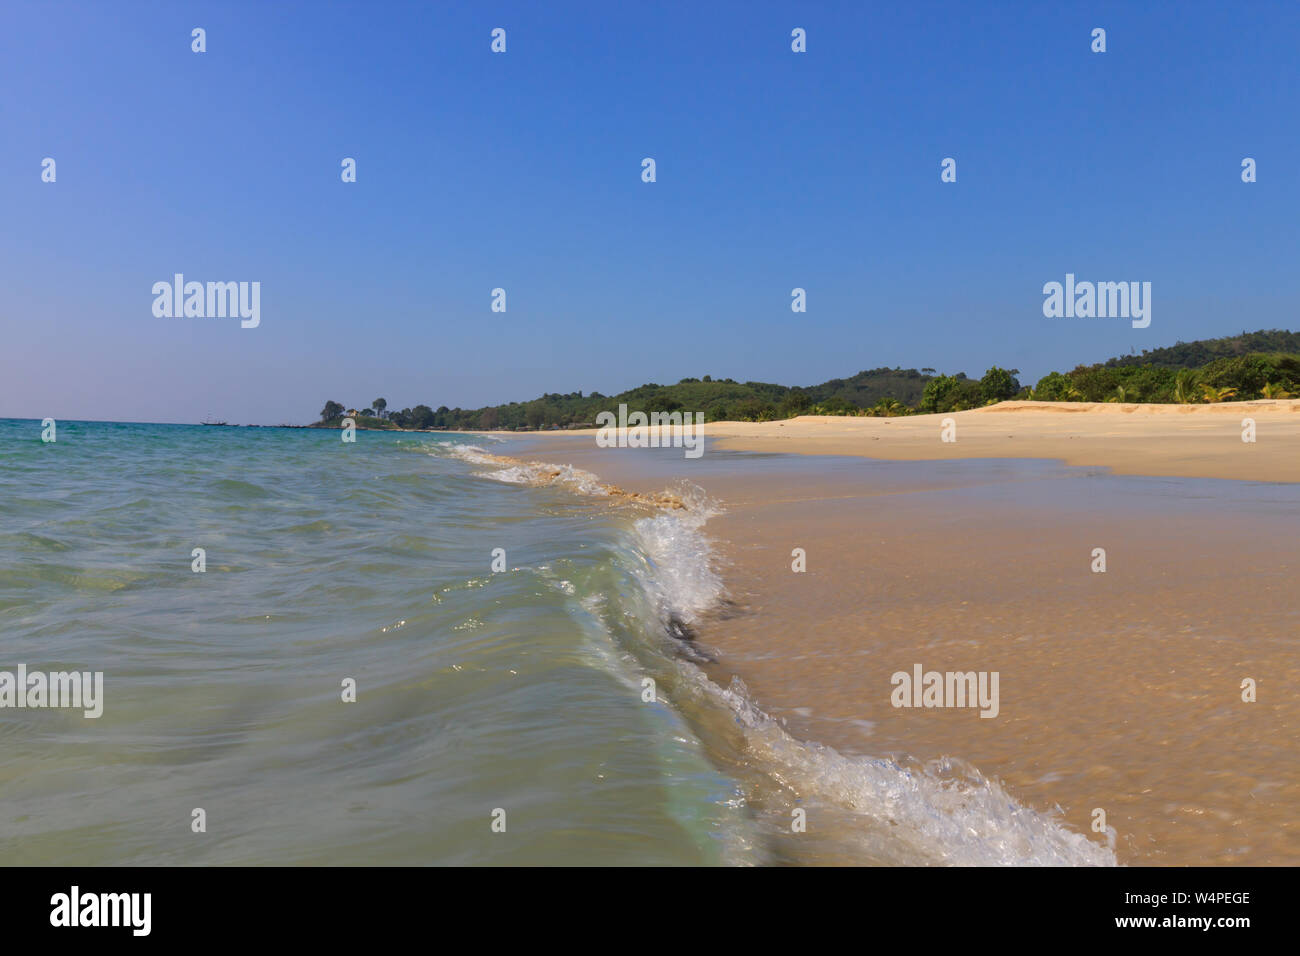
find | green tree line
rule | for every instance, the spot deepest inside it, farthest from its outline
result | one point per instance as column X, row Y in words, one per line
column 1264, row 364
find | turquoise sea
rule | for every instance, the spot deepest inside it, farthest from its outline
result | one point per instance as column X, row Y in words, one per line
column 547, row 713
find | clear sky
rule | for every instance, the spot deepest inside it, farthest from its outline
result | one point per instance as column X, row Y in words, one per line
column 522, row 170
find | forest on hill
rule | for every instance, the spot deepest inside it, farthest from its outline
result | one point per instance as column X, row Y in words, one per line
column 1263, row 364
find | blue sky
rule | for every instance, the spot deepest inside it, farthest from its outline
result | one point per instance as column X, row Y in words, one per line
column 523, row 171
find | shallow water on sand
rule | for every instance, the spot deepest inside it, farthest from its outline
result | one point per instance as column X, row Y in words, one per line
column 1119, row 691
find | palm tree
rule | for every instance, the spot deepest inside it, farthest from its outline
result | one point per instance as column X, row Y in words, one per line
column 1274, row 391
column 1183, row 387
column 888, row 407
column 379, row 404
column 1215, row 395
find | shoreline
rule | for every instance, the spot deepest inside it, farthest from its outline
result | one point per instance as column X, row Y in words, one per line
column 1120, row 690
column 1182, row 441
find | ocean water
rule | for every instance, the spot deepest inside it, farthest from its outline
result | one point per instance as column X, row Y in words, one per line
column 552, row 713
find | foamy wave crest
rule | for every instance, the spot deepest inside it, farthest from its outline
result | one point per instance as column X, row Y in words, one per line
column 678, row 572
column 946, row 813
column 539, row 473
column 516, row 472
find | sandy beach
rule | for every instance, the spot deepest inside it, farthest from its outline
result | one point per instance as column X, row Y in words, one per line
column 1120, row 689
column 1190, row 441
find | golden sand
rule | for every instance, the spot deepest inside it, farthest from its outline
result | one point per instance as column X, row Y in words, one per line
column 1119, row 691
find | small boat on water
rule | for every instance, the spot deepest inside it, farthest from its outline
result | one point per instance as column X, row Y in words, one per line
column 211, row 423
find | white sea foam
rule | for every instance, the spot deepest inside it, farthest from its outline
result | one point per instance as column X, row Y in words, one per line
column 945, row 813
column 528, row 472
column 678, row 573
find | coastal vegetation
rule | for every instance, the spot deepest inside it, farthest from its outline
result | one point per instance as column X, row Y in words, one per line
column 1264, row 364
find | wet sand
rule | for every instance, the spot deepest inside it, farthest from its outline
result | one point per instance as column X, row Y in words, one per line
column 1119, row 691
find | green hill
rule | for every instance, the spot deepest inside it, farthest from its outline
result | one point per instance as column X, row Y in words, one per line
column 1246, row 366
column 1205, row 351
